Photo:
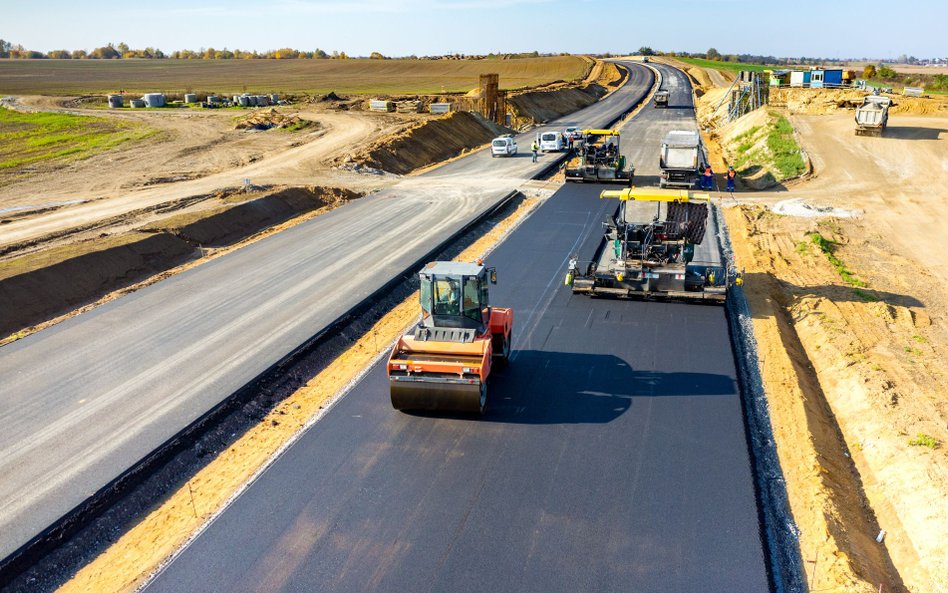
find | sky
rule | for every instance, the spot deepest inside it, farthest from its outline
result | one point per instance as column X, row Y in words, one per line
column 826, row 28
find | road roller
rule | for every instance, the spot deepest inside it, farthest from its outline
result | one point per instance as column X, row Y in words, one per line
column 443, row 364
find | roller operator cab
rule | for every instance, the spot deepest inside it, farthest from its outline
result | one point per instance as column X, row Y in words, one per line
column 444, row 364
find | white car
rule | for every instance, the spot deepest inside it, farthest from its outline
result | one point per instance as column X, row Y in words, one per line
column 551, row 142
column 503, row 146
column 573, row 132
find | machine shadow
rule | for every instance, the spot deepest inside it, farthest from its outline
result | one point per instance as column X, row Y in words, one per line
column 539, row 387
column 913, row 133
column 834, row 292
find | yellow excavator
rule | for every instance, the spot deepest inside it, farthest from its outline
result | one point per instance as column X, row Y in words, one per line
column 598, row 159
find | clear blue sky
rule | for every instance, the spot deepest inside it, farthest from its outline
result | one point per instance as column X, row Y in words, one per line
column 825, row 28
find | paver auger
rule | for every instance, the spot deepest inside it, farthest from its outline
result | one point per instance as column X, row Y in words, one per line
column 444, row 364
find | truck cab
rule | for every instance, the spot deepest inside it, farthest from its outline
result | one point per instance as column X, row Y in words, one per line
column 661, row 98
column 503, row 146
column 681, row 159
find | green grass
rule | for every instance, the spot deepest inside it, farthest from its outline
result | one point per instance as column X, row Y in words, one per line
column 828, row 248
column 784, row 148
column 31, row 138
column 925, row 440
column 367, row 77
column 732, row 66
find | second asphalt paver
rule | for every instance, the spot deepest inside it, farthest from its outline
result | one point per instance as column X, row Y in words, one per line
column 612, row 458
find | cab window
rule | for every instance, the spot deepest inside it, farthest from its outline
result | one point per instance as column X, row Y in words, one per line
column 472, row 300
column 446, row 295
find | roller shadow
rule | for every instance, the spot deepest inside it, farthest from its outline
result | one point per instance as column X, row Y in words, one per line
column 539, row 387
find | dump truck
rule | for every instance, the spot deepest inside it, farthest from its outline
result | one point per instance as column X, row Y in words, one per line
column 661, row 98
column 443, row 364
column 873, row 115
column 598, row 158
column 648, row 250
column 681, row 159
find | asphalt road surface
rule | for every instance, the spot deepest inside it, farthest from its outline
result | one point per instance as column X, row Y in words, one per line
column 85, row 400
column 612, row 457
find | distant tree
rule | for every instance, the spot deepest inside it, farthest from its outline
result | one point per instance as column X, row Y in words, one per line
column 285, row 53
column 712, row 54
column 645, row 51
column 343, row 56
column 59, row 54
column 732, row 58
column 5, row 47
column 107, row 52
column 320, row 54
column 885, row 72
column 122, row 48
column 869, row 71
column 376, row 56
column 79, row 54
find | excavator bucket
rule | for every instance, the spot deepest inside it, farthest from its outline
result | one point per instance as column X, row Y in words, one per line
column 428, row 374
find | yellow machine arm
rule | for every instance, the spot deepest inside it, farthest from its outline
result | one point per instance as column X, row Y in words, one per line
column 633, row 194
column 602, row 132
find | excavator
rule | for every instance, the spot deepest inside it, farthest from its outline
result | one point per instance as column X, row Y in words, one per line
column 443, row 364
column 598, row 159
column 648, row 250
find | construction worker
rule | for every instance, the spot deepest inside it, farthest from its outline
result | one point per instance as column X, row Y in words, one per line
column 707, row 180
column 535, row 147
column 731, row 176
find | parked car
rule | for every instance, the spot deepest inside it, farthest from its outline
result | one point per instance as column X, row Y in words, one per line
column 551, row 142
column 503, row 146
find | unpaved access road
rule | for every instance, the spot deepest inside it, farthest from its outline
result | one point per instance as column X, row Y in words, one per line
column 101, row 185
column 898, row 181
column 95, row 394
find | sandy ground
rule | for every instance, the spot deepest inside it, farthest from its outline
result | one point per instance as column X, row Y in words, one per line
column 861, row 367
column 197, row 153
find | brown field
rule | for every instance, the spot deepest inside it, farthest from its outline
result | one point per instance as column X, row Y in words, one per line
column 77, row 77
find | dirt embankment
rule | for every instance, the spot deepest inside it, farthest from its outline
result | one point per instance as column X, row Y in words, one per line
column 42, row 285
column 854, row 377
column 828, row 101
column 543, row 105
column 428, row 142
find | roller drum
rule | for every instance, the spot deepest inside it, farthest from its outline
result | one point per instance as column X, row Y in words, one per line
column 437, row 395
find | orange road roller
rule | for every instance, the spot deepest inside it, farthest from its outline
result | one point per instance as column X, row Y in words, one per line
column 444, row 364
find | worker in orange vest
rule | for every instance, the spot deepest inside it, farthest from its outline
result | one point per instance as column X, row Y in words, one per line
column 708, row 180
column 731, row 176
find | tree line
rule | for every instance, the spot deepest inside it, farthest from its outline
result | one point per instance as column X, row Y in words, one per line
column 120, row 51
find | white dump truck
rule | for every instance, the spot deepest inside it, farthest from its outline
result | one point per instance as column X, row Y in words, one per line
column 681, row 159
column 873, row 115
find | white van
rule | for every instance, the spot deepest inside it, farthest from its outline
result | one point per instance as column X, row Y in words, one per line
column 503, row 146
column 551, row 141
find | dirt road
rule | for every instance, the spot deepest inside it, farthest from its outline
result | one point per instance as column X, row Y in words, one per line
column 207, row 156
column 897, row 181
